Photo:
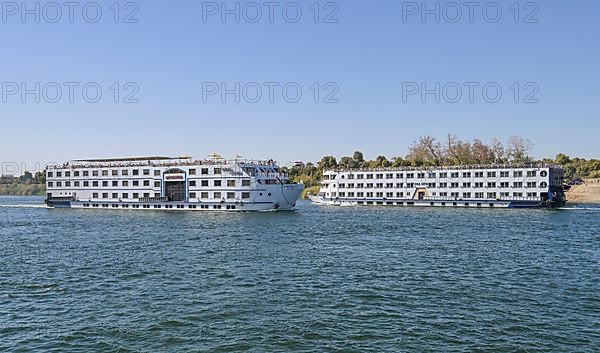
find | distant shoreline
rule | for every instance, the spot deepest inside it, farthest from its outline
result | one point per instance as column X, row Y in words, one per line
column 22, row 189
column 589, row 192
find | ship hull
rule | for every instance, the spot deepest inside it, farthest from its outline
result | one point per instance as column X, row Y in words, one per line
column 282, row 198
column 434, row 203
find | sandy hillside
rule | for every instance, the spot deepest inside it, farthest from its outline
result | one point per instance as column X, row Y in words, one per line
column 587, row 193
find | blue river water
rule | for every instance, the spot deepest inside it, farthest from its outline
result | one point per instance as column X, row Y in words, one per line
column 319, row 279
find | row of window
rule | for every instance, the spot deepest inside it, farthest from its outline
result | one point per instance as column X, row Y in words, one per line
column 442, row 175
column 454, row 185
column 136, row 183
column 454, row 195
column 193, row 195
column 125, row 172
column 217, row 183
column 105, row 205
column 410, row 203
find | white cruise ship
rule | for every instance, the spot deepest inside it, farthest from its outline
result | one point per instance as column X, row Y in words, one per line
column 473, row 186
column 166, row 183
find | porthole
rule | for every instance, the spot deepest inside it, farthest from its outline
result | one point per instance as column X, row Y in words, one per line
column 544, row 184
column 544, row 173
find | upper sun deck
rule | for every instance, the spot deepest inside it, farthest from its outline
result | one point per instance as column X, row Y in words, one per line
column 160, row 162
column 446, row 168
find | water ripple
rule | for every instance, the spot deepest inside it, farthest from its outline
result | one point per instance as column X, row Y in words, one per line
column 318, row 279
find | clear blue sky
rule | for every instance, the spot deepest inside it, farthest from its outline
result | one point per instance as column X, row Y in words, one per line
column 369, row 53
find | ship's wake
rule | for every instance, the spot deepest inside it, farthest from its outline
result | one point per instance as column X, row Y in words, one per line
column 579, row 208
column 24, row 206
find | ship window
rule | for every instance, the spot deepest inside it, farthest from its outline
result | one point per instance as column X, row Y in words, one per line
column 544, row 173
column 94, row 173
column 115, row 195
column 217, row 171
column 135, row 172
column 124, row 172
column 76, row 184
column 125, row 195
column 146, row 171
column 146, row 182
column 136, row 195
column 58, row 184
column 58, row 174
column 204, row 183
column 136, row 183
column 217, row 195
column 231, row 183
column 105, row 173
column 49, row 174
column 217, row 183
column 67, row 174
column 125, row 183
column 245, row 182
column 76, row 173
column 105, row 195
column 192, row 182
column 95, row 195
column 157, row 173
column 544, row 184
column 50, row 184
column 115, row 173
column 157, row 184
column 192, row 172
column 192, row 195
column 115, row 183
column 157, row 194
column 231, row 195
column 204, row 195
column 245, row 195
column 204, row 171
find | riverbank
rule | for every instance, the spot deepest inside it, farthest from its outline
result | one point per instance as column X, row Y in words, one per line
column 585, row 193
column 23, row 189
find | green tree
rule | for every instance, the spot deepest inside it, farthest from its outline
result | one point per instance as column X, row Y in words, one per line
column 562, row 159
column 26, row 178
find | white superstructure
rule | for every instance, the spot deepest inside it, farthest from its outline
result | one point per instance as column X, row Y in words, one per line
column 464, row 186
column 167, row 183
